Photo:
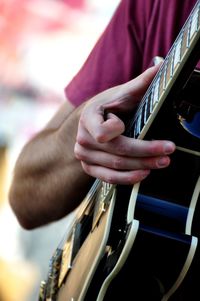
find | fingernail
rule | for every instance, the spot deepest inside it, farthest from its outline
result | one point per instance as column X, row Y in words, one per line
column 163, row 161
column 168, row 148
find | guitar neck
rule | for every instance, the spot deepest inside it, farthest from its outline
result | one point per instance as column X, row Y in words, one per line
column 180, row 53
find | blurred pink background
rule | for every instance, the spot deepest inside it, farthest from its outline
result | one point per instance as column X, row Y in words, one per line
column 43, row 43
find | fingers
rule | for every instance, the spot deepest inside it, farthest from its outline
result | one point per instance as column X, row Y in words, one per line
column 139, row 85
column 125, row 146
column 103, row 130
column 101, row 147
column 99, row 115
column 113, row 176
column 93, row 157
column 121, row 163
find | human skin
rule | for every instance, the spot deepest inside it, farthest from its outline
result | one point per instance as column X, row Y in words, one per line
column 56, row 168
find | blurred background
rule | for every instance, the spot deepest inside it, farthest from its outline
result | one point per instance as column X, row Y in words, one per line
column 43, row 43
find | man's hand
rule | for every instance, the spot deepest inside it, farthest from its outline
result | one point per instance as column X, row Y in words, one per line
column 101, row 147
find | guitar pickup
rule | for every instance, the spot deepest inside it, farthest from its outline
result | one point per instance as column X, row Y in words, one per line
column 102, row 202
column 73, row 244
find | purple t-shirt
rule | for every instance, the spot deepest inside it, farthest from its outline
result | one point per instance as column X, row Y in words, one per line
column 138, row 31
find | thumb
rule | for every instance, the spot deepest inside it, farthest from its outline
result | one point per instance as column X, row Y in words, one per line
column 138, row 86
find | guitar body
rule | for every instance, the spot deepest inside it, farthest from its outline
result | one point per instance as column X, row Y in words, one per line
column 165, row 254
column 141, row 242
column 146, row 238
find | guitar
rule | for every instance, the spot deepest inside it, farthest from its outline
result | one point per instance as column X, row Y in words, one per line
column 142, row 240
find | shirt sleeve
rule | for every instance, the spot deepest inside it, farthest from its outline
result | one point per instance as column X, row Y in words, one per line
column 111, row 61
column 138, row 31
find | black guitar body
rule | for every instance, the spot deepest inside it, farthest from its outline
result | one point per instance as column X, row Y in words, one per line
column 163, row 202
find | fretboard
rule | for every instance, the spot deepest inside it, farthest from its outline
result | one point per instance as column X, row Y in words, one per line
column 171, row 67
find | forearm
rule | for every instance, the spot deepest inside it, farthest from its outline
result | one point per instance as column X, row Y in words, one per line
column 48, row 181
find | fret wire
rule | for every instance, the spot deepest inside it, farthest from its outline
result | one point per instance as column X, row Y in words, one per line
column 156, row 92
column 139, row 127
column 165, row 73
column 194, row 24
column 185, row 39
column 139, row 123
column 177, row 53
column 147, row 106
column 142, row 115
column 188, row 37
column 168, row 71
column 137, row 130
column 145, row 112
column 151, row 102
column 199, row 16
column 145, row 97
column 172, row 62
column 162, row 78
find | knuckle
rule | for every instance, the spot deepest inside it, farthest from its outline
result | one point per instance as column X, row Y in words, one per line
column 100, row 136
column 117, row 163
column 133, row 178
column 81, row 140
column 121, row 149
column 110, row 179
column 148, row 163
column 152, row 149
column 137, row 176
column 79, row 154
column 155, row 148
